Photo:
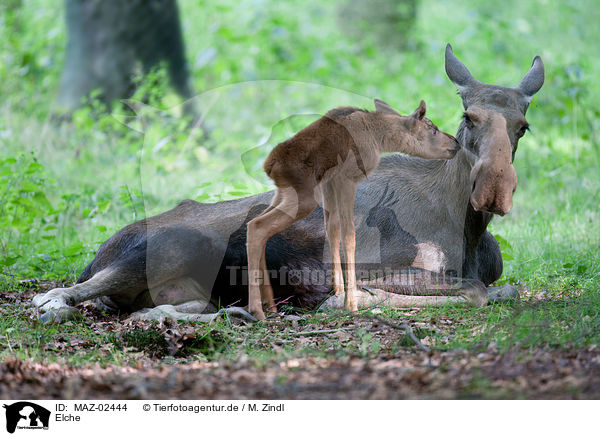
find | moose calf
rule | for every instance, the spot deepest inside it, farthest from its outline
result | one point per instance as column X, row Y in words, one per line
column 327, row 159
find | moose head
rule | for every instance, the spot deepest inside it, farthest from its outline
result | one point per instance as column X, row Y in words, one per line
column 493, row 122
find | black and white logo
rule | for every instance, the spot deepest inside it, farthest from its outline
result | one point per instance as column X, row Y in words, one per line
column 26, row 415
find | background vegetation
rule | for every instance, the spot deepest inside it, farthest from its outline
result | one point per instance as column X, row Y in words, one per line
column 66, row 187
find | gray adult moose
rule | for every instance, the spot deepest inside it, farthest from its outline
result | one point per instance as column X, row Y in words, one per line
column 189, row 260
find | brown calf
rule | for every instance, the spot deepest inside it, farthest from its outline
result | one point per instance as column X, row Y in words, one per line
column 326, row 160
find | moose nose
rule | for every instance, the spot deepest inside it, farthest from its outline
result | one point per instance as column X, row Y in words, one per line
column 492, row 208
column 497, row 210
column 493, row 198
column 498, row 204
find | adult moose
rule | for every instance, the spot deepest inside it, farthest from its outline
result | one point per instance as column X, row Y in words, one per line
column 192, row 256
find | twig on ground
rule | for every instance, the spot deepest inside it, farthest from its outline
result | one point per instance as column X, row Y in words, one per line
column 403, row 326
column 322, row 332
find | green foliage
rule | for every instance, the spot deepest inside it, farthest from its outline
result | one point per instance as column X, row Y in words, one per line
column 27, row 215
column 36, row 237
column 387, row 23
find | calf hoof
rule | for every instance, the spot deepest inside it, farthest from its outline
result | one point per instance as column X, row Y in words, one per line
column 502, row 294
column 350, row 302
column 257, row 312
column 272, row 310
column 57, row 316
column 338, row 290
column 351, row 307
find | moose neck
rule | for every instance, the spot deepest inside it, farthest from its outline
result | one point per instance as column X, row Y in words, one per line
column 475, row 223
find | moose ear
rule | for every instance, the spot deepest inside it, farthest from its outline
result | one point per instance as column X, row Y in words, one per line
column 419, row 112
column 457, row 72
column 534, row 79
column 384, row 108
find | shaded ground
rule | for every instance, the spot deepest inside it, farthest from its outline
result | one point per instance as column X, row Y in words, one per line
column 446, row 375
column 314, row 356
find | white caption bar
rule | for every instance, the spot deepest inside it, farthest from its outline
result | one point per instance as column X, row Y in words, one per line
column 147, row 417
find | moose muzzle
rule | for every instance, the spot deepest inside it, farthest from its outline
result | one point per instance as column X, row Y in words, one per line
column 493, row 178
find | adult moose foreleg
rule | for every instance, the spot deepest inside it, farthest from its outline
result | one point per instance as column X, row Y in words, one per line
column 59, row 303
column 489, row 264
column 191, row 311
column 153, row 268
column 416, row 288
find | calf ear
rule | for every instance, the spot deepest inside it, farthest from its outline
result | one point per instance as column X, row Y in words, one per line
column 384, row 108
column 534, row 79
column 419, row 112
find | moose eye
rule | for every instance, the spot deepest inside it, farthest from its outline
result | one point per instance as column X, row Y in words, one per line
column 468, row 121
column 523, row 130
column 434, row 132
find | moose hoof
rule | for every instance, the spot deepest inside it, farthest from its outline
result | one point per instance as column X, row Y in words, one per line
column 51, row 300
column 57, row 316
column 502, row 294
column 334, row 302
column 238, row 312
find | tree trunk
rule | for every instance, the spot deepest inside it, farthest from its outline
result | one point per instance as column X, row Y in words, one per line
column 109, row 39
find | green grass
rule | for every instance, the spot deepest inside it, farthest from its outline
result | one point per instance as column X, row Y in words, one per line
column 565, row 324
column 65, row 188
column 562, row 322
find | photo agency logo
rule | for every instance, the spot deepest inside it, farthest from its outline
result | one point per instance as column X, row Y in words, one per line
column 26, row 416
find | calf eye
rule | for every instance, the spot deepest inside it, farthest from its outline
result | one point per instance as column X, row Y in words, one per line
column 434, row 132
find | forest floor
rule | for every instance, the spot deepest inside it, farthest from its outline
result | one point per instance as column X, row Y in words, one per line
column 312, row 356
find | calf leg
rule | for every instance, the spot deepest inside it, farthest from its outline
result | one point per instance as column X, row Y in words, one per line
column 293, row 206
column 345, row 195
column 266, row 290
column 332, row 227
